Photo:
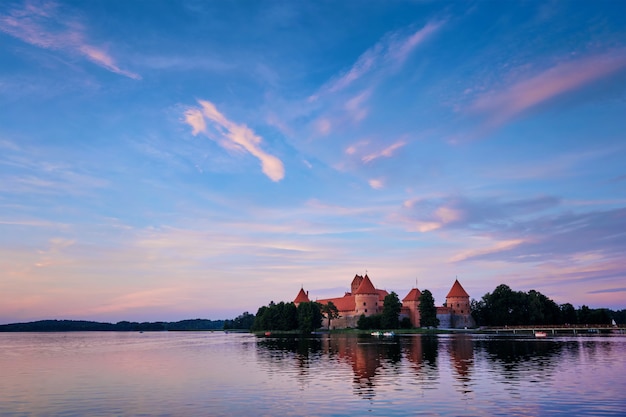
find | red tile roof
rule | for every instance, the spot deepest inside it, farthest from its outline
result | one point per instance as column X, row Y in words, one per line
column 457, row 290
column 366, row 287
column 345, row 303
column 302, row 297
column 382, row 294
column 413, row 295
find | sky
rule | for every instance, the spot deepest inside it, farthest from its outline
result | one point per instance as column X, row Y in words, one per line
column 166, row 160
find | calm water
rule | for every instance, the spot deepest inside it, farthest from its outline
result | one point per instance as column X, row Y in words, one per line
column 213, row 374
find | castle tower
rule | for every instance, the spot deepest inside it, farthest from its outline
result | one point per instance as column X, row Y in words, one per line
column 302, row 297
column 358, row 279
column 366, row 298
column 458, row 301
column 412, row 302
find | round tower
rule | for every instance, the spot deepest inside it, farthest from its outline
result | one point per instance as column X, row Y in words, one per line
column 458, row 301
column 412, row 302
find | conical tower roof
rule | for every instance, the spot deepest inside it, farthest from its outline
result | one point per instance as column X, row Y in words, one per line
column 366, row 287
column 457, row 290
column 302, row 297
column 413, row 295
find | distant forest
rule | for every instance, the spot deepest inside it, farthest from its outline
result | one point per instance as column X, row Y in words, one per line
column 122, row 326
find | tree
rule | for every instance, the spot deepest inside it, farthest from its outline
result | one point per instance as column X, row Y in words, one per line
column 541, row 309
column 309, row 317
column 363, row 323
column 391, row 312
column 260, row 320
column 568, row 314
column 479, row 312
column 505, row 307
column 600, row 316
column 428, row 311
column 369, row 322
column 281, row 316
column 584, row 315
column 287, row 316
column 330, row 311
column 243, row 321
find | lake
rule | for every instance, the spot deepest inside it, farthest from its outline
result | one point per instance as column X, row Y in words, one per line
column 218, row 374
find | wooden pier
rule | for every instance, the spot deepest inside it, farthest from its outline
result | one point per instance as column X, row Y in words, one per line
column 575, row 329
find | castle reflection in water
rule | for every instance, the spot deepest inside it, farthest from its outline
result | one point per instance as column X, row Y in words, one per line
column 370, row 357
column 416, row 359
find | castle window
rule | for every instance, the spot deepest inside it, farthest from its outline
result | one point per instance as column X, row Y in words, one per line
column 364, row 303
column 366, row 310
column 461, row 311
column 458, row 305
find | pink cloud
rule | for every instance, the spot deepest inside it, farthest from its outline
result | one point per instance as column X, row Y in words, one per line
column 387, row 152
column 323, row 126
column 194, row 118
column 46, row 27
column 376, row 183
column 497, row 247
column 101, row 58
column 233, row 136
column 503, row 105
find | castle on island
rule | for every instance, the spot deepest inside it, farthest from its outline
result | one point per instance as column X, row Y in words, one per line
column 365, row 299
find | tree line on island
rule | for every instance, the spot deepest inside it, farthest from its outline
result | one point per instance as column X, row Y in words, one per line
column 505, row 307
column 502, row 307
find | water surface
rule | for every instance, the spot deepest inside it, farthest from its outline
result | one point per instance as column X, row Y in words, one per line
column 217, row 374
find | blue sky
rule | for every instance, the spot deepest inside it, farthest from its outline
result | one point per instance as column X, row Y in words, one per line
column 170, row 160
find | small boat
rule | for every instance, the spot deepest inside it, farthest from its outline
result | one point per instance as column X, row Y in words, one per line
column 541, row 334
column 268, row 333
column 385, row 334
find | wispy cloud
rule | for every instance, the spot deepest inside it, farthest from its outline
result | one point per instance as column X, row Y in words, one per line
column 355, row 106
column 619, row 178
column 52, row 183
column 392, row 50
column 400, row 49
column 492, row 249
column 233, row 136
column 453, row 212
column 42, row 24
column 608, row 290
column 581, row 238
column 502, row 105
column 566, row 164
column 387, row 152
column 32, row 223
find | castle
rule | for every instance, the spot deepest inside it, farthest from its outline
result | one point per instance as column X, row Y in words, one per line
column 365, row 299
